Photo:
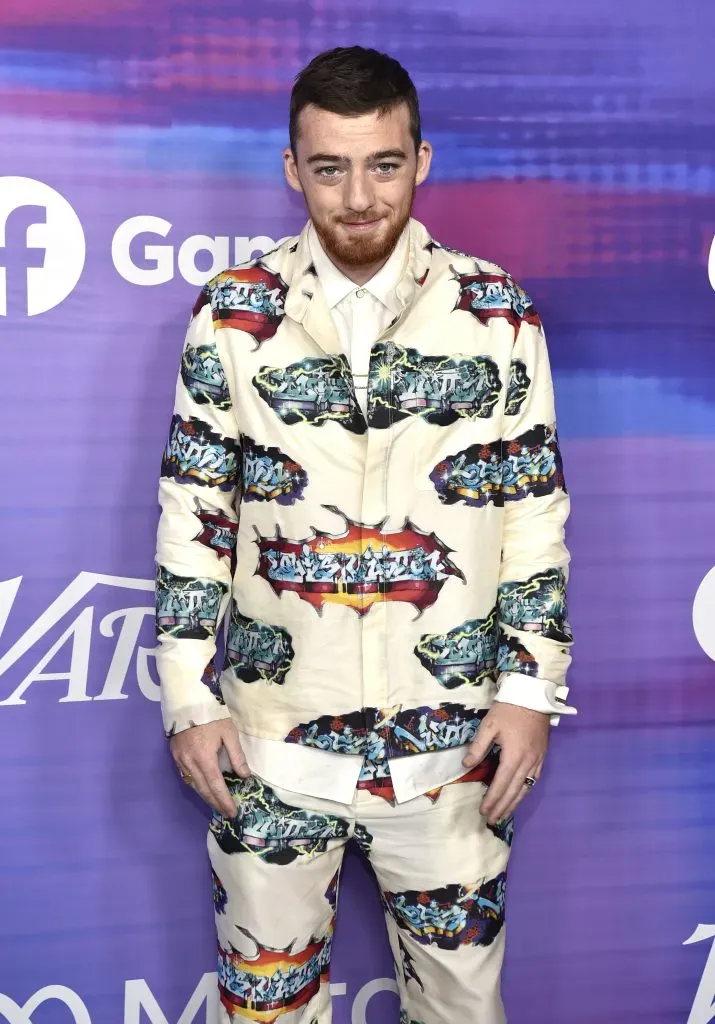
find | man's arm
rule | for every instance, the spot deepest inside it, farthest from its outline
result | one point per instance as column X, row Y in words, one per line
column 200, row 478
column 534, row 635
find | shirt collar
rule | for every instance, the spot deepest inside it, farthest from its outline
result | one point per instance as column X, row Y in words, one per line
column 383, row 285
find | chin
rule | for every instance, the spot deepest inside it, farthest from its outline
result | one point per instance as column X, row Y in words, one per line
column 360, row 250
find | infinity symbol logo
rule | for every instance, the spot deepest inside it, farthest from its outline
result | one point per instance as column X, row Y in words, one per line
column 16, row 1014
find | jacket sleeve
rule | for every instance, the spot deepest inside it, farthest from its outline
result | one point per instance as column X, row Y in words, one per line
column 200, row 481
column 534, row 633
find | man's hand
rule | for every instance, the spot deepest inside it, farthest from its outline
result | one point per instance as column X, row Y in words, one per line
column 196, row 753
column 523, row 736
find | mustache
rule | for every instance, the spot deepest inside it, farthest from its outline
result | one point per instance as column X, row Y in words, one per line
column 358, row 220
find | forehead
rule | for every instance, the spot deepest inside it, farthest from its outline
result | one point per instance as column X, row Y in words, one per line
column 355, row 137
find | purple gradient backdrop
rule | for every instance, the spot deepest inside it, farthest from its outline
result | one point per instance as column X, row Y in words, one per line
column 578, row 150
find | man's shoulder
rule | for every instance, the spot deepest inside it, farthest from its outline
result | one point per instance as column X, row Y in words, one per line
column 265, row 272
column 259, row 285
column 485, row 286
column 474, row 264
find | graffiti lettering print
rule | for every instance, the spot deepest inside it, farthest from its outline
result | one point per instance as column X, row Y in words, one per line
column 312, row 391
column 211, row 679
column 218, row 531
column 249, row 299
column 204, row 377
column 530, row 464
column 453, row 915
column 390, row 732
column 466, row 654
column 220, row 896
column 473, row 476
column 517, row 388
column 271, row 475
column 356, row 568
column 270, row 982
column 195, row 454
column 270, row 829
column 487, row 296
column 440, row 389
column 514, row 657
column 185, row 607
column 257, row 651
column 537, row 605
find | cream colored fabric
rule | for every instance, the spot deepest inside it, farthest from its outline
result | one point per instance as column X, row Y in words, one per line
column 378, row 556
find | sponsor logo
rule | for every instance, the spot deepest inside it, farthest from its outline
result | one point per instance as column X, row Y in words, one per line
column 42, row 246
column 42, row 249
column 704, row 614
column 144, row 254
column 703, row 1009
column 142, row 1007
column 82, row 632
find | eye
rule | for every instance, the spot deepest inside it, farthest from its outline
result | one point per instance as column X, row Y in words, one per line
column 328, row 172
column 386, row 168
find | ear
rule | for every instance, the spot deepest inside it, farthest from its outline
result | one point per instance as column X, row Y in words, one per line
column 424, row 161
column 291, row 170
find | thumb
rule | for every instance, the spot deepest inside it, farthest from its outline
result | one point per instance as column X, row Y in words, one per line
column 480, row 746
column 235, row 753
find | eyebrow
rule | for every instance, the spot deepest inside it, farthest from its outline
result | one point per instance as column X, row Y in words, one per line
column 333, row 158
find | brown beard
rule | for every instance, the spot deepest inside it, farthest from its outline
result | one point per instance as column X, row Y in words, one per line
column 362, row 252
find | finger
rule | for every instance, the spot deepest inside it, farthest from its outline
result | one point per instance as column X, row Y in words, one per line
column 498, row 787
column 479, row 747
column 235, row 753
column 502, row 813
column 515, row 793
column 221, row 798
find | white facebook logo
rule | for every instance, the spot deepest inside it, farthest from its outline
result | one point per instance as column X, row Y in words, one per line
column 42, row 246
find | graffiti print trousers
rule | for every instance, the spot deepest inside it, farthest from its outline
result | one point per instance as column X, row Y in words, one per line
column 441, row 871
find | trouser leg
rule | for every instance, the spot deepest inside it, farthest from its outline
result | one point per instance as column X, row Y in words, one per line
column 442, row 874
column 275, row 868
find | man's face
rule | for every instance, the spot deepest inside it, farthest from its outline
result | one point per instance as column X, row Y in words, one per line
column 358, row 176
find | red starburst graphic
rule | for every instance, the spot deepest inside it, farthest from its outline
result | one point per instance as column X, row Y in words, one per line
column 282, row 980
column 218, row 531
column 486, row 296
column 251, row 299
column 359, row 567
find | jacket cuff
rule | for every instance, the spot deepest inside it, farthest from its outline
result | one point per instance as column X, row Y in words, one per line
column 188, row 717
column 535, row 694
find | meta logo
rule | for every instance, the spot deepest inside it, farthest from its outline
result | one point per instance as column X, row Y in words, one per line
column 42, row 247
column 142, row 1007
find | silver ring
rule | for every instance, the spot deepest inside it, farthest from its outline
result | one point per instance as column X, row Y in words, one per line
column 529, row 782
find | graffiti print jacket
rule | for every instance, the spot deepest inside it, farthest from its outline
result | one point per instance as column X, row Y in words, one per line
column 386, row 574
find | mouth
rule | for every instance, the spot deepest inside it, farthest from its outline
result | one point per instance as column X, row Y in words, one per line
column 359, row 226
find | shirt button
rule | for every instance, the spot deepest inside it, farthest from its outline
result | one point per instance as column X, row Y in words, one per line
column 360, row 292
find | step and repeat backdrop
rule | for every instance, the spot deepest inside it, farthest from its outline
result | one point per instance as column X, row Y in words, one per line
column 140, row 153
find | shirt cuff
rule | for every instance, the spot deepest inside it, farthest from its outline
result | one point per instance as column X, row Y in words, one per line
column 535, row 694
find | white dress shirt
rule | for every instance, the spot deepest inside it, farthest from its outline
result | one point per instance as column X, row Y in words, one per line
column 361, row 313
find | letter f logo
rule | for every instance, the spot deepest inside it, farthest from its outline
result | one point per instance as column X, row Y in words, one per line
column 42, row 247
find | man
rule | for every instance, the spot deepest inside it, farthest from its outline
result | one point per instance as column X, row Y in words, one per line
column 397, row 641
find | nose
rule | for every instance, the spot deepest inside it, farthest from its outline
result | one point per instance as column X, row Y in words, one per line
column 359, row 195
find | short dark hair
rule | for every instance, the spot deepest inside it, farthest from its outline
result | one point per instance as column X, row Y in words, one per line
column 353, row 80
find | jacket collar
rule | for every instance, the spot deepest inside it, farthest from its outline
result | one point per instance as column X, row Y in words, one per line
column 306, row 302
